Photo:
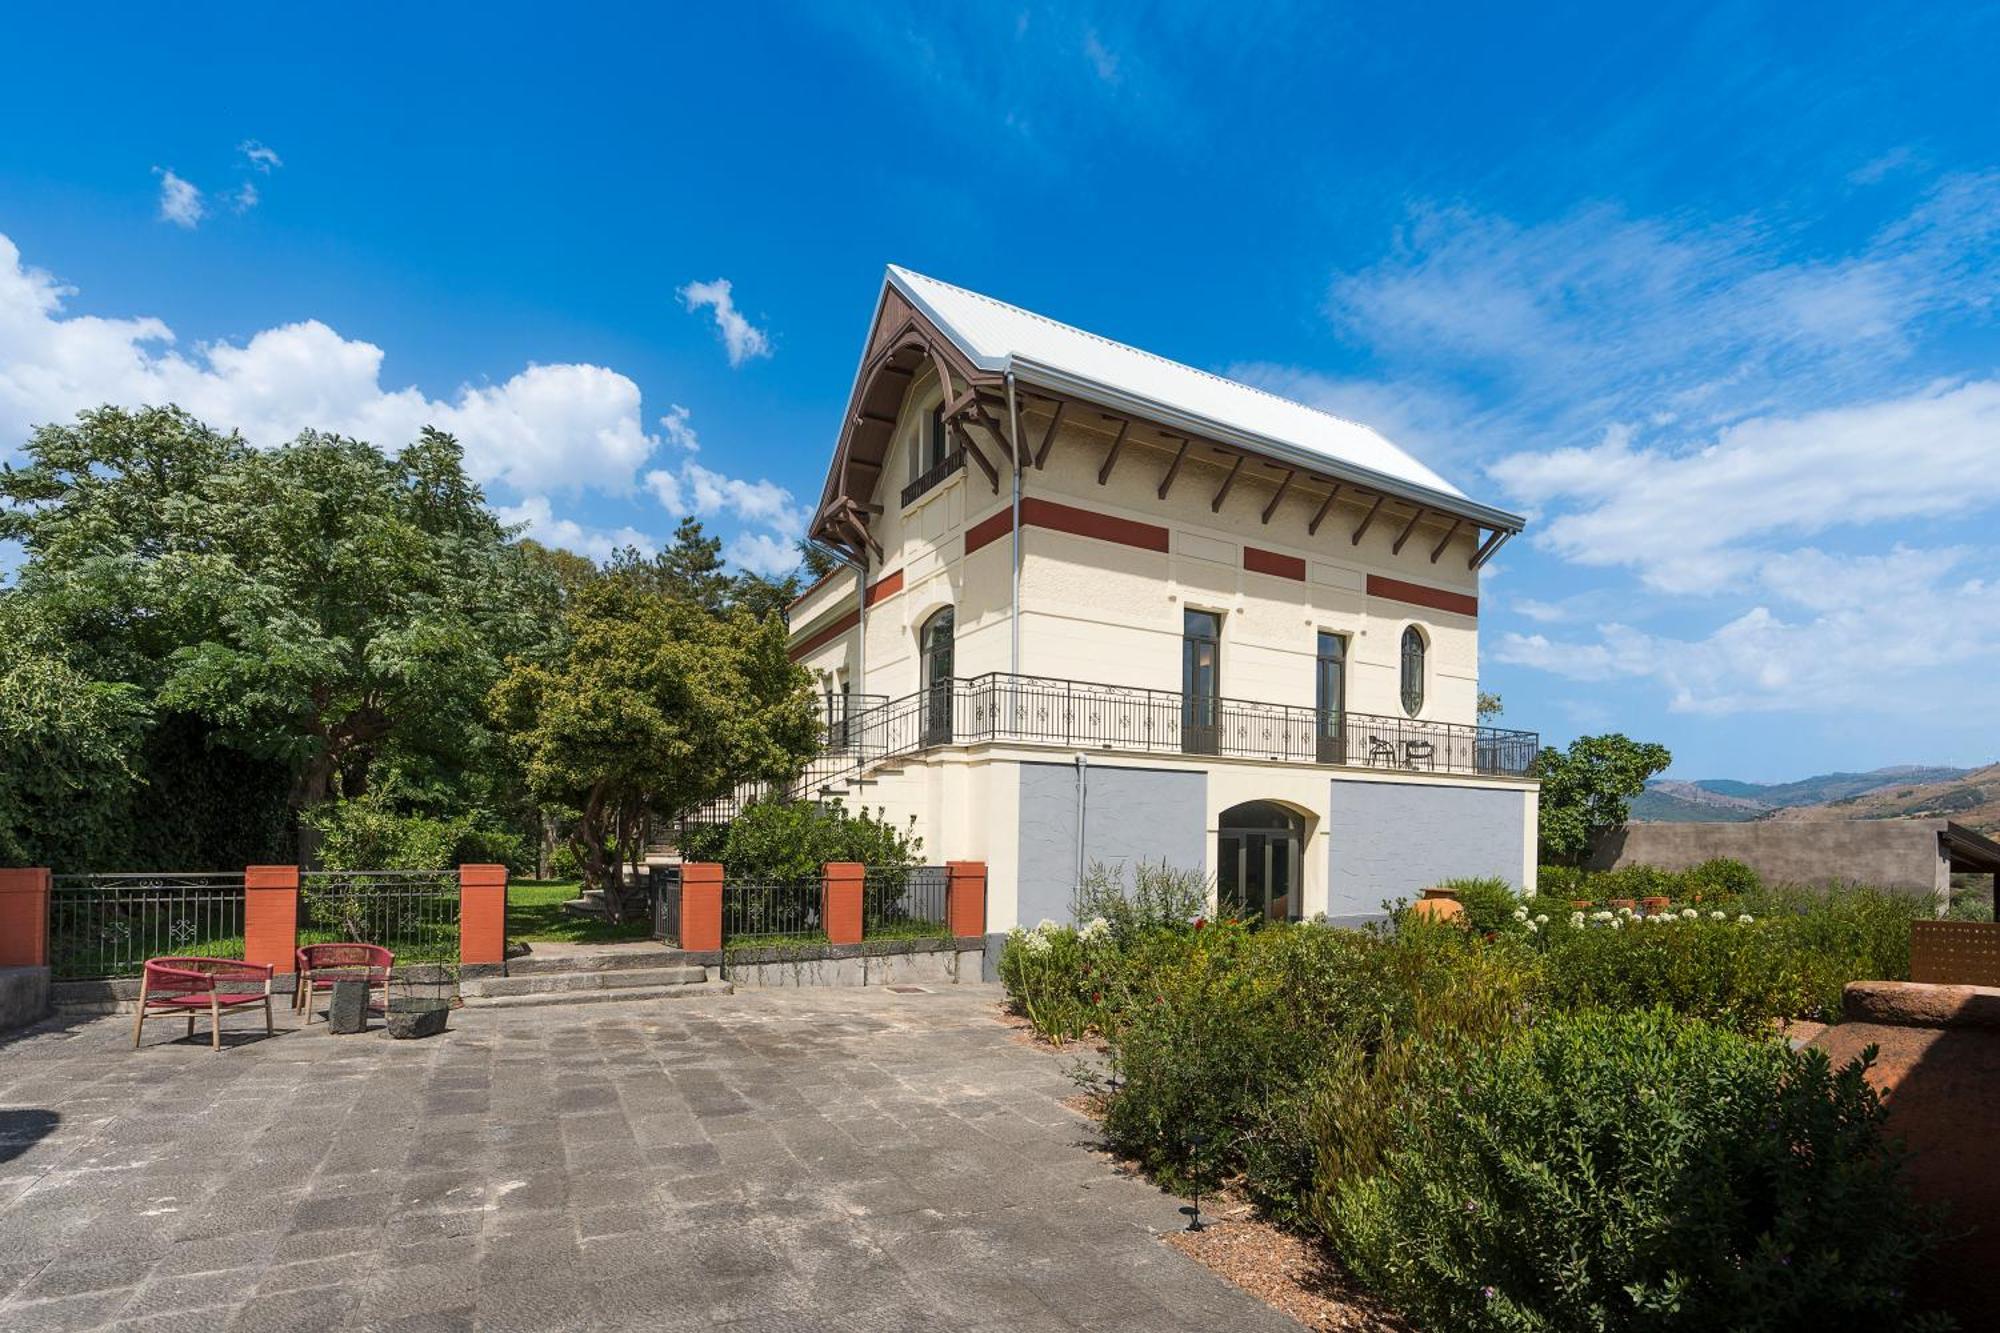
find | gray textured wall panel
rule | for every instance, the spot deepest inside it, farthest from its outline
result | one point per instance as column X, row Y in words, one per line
column 1394, row 839
column 1131, row 814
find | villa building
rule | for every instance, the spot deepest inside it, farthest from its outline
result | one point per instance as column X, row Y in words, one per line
column 1102, row 607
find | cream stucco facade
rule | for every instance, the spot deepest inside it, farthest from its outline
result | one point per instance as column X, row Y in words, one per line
column 1127, row 525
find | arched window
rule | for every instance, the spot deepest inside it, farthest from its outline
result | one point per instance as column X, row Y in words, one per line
column 935, row 643
column 1413, row 670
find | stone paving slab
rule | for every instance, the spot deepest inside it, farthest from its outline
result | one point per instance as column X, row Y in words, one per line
column 787, row 1159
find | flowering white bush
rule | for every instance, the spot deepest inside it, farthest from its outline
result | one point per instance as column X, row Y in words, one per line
column 1520, row 914
column 1744, row 919
column 1541, row 918
column 1095, row 930
column 1689, row 914
column 1718, row 916
column 1576, row 920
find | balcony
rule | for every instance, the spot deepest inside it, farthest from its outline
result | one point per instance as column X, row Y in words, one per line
column 1082, row 715
column 952, row 464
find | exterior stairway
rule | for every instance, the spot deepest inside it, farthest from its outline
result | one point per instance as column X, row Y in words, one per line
column 593, row 974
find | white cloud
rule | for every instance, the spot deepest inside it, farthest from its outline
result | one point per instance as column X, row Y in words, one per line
column 1102, row 58
column 743, row 340
column 1894, row 633
column 1689, row 520
column 180, row 200
column 542, row 525
column 259, row 157
column 548, row 428
column 675, row 424
column 763, row 553
column 245, row 198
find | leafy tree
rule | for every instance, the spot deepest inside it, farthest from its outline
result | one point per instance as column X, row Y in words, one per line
column 1588, row 789
column 691, row 568
column 1489, row 705
column 817, row 561
column 656, row 702
column 317, row 605
column 68, row 750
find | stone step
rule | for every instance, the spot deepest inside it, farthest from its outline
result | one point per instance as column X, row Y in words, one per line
column 596, row 979
column 604, row 958
column 686, row 991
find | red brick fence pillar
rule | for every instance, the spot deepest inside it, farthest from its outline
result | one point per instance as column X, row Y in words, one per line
column 840, row 901
column 271, row 916
column 482, row 914
column 701, row 907
column 965, row 898
column 24, row 918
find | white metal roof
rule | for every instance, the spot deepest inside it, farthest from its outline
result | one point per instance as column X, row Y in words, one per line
column 999, row 337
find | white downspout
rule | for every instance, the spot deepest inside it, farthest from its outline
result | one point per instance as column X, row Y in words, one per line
column 1082, row 811
column 1014, row 439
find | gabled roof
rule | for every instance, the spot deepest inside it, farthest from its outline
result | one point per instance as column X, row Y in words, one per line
column 999, row 337
column 979, row 340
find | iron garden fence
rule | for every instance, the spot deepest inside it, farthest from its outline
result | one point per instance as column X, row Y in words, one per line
column 412, row 913
column 108, row 925
column 905, row 902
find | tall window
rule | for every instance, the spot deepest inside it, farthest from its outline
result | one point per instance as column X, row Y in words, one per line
column 1201, row 680
column 935, row 642
column 930, row 447
column 1330, row 694
column 1413, row 670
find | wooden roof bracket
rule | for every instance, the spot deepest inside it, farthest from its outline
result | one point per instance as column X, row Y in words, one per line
column 1174, row 468
column 1312, row 528
column 1049, row 436
column 1445, row 541
column 1373, row 509
column 1111, row 458
column 1485, row 553
column 1408, row 528
column 978, row 455
column 1215, row 505
column 1279, row 498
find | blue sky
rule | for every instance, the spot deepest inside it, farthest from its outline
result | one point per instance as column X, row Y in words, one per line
column 1709, row 292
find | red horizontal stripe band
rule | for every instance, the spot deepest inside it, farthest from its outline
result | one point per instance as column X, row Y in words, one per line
column 1416, row 594
column 1274, row 562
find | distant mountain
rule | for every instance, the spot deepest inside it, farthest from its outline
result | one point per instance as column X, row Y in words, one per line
column 1969, row 797
column 1668, row 800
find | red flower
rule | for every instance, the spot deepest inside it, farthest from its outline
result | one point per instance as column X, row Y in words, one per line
column 1200, row 922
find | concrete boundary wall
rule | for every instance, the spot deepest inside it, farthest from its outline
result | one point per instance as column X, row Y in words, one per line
column 1902, row 854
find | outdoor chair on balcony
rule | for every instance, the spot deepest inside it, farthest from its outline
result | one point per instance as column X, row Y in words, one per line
column 319, row 966
column 1380, row 752
column 1419, row 753
column 190, row 985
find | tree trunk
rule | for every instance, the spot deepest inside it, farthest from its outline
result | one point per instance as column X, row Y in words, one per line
column 599, row 872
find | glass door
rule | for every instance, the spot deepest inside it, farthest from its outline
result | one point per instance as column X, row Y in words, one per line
column 1258, row 862
column 1201, row 681
column 1330, row 699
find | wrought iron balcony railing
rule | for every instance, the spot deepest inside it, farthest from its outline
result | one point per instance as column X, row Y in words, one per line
column 1090, row 716
column 1085, row 715
column 950, row 465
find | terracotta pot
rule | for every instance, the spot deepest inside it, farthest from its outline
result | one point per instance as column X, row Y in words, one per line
column 1440, row 905
column 1582, row 904
column 1655, row 906
column 1628, row 904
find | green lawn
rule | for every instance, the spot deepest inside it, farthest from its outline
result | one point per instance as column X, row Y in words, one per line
column 534, row 912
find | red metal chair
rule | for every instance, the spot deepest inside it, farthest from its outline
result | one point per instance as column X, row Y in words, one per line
column 190, row 985
column 320, row 965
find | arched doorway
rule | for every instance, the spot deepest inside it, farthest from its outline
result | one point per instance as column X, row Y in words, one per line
column 935, row 643
column 1260, row 852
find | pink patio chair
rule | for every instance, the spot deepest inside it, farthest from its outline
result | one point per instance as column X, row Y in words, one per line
column 190, row 985
column 320, row 965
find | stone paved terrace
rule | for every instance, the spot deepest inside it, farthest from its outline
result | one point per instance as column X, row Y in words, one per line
column 810, row 1160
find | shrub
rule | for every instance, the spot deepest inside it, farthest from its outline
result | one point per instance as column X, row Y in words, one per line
column 793, row 840
column 1622, row 1171
column 1048, row 976
column 1161, row 897
column 1489, row 904
column 369, row 833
